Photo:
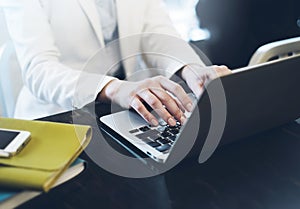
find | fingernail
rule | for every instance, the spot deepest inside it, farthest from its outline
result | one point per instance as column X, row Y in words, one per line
column 154, row 122
column 171, row 121
column 189, row 107
column 182, row 120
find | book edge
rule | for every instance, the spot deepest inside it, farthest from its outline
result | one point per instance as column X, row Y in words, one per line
column 24, row 196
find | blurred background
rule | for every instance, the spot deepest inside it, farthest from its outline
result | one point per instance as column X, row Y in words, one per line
column 3, row 35
column 229, row 31
column 237, row 28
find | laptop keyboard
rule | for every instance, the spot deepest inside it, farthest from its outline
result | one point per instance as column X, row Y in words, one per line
column 161, row 137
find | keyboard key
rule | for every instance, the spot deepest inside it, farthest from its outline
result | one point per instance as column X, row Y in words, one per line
column 162, row 122
column 172, row 138
column 157, row 138
column 166, row 134
column 153, row 134
column 177, row 126
column 174, row 131
column 161, row 128
column 154, row 144
column 144, row 128
column 163, row 141
column 146, row 140
column 163, row 148
column 134, row 131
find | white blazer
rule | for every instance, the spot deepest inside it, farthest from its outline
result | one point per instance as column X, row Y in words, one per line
column 55, row 38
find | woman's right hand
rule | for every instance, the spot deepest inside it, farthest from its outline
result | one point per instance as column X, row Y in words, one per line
column 165, row 97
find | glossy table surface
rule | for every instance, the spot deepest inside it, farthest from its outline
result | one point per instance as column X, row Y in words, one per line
column 259, row 172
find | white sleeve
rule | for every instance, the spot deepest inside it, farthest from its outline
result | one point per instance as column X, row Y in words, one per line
column 168, row 50
column 43, row 73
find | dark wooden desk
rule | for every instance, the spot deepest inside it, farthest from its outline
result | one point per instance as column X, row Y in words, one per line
column 260, row 172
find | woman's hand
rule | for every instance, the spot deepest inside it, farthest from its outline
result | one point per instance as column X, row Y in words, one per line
column 165, row 97
column 196, row 76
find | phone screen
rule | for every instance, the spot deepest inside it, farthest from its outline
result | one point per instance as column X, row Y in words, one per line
column 6, row 137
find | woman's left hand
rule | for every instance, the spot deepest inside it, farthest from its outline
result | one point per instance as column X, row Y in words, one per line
column 196, row 77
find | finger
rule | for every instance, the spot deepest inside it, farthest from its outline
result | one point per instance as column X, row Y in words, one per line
column 178, row 92
column 203, row 73
column 139, row 107
column 210, row 73
column 178, row 104
column 197, row 86
column 169, row 102
column 183, row 117
column 222, row 70
column 156, row 104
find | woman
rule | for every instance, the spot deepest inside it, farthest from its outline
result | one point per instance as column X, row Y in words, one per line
column 54, row 39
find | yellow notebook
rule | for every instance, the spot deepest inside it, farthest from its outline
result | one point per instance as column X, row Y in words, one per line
column 51, row 150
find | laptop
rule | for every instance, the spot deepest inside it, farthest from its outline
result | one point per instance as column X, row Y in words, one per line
column 248, row 101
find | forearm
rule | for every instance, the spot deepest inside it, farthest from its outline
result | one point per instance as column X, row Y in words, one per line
column 109, row 91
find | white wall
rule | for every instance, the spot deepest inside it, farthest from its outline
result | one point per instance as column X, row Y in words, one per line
column 3, row 34
column 3, row 38
column 10, row 77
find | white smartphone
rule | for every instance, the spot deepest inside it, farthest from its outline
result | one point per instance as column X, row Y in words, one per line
column 12, row 141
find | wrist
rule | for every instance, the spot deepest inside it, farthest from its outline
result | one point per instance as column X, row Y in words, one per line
column 184, row 72
column 179, row 71
column 109, row 91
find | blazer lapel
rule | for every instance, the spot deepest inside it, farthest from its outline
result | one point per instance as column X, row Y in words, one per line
column 89, row 7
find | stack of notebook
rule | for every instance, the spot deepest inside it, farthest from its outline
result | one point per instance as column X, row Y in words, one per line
column 45, row 161
column 11, row 198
